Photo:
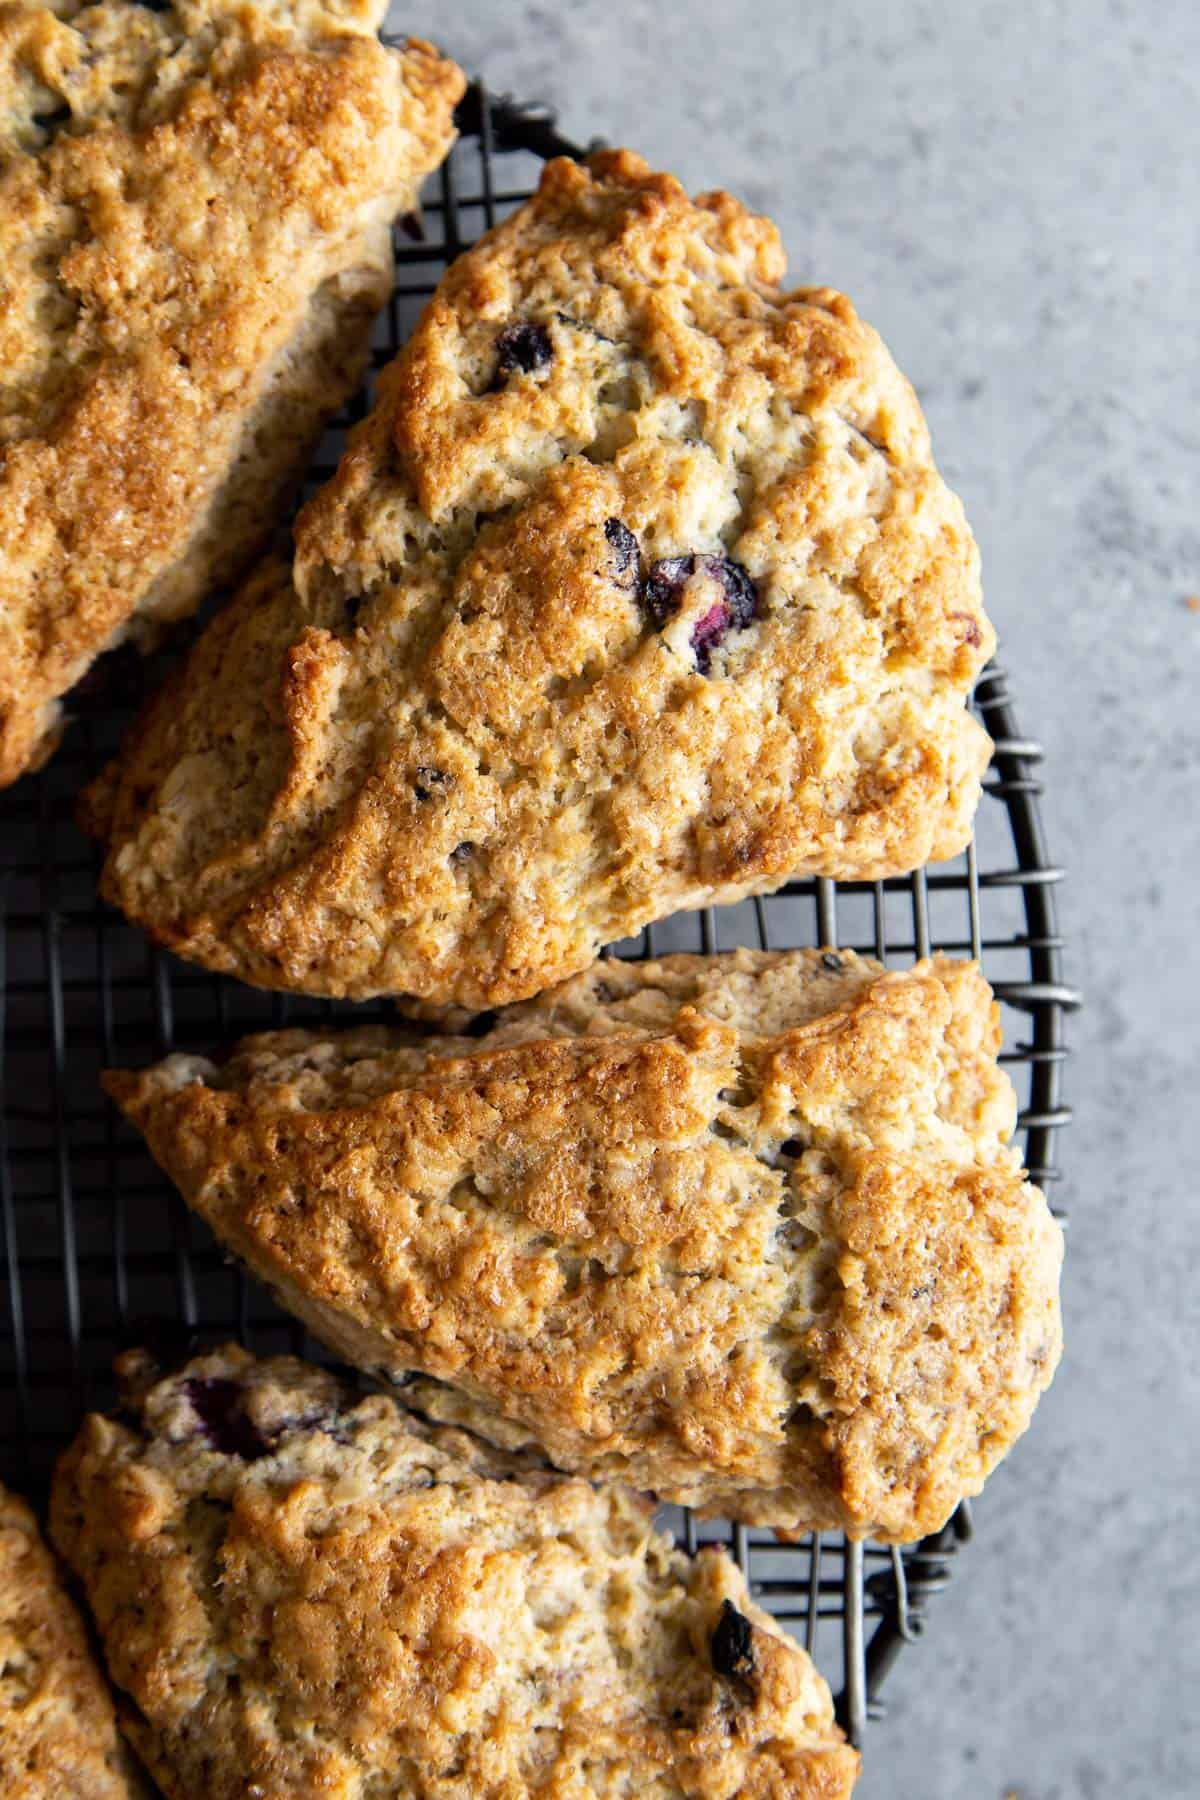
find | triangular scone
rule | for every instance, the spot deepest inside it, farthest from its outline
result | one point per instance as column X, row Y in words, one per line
column 58, row 1732
column 305, row 1592
column 639, row 590
column 743, row 1231
column 195, row 212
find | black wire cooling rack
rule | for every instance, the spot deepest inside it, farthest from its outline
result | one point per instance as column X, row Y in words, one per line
column 95, row 1241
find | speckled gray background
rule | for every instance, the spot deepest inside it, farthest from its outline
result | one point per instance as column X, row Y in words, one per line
column 1009, row 192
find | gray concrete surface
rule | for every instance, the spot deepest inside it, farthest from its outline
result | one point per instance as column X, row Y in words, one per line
column 1009, row 192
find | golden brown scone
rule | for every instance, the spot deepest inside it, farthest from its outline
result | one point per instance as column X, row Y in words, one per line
column 744, row 1231
column 639, row 590
column 306, row 1592
column 195, row 213
column 58, row 1735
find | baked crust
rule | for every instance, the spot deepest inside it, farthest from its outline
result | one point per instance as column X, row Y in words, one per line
column 359, row 1605
column 745, row 1231
column 639, row 591
column 58, row 1734
column 195, row 210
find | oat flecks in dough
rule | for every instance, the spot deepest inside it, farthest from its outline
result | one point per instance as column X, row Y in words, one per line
column 645, row 557
column 745, row 1231
column 195, row 209
column 58, row 1734
column 379, row 1609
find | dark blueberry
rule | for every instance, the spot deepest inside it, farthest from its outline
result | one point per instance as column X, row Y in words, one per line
column 429, row 781
column 833, row 962
column 218, row 1405
column 972, row 635
column 792, row 1147
column 740, row 592
column 49, row 122
column 626, row 554
column 707, row 633
column 604, row 993
column 523, row 347
column 667, row 583
column 732, row 1643
column 462, row 853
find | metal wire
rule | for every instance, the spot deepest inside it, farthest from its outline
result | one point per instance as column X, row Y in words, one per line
column 93, row 1240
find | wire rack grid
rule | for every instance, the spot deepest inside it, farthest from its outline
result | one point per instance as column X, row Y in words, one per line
column 94, row 1242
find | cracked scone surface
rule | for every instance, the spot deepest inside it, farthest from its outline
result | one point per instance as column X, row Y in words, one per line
column 58, row 1734
column 195, row 210
column 744, row 1231
column 639, row 590
column 303, row 1591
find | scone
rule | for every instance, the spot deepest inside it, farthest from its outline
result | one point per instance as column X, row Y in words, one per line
column 58, row 1735
column 303, row 1592
column 195, row 212
column 744, row 1231
column 639, row 590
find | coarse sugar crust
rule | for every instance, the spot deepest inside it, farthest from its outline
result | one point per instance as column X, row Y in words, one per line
column 58, row 1733
column 301, row 1591
column 195, row 213
column 745, row 1231
column 638, row 591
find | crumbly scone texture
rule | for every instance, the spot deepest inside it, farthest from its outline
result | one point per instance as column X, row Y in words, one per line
column 639, row 590
column 306, row 1592
column 743, row 1231
column 195, row 212
column 58, row 1733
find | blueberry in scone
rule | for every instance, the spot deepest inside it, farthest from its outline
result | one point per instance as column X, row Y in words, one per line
column 195, row 235
column 58, row 1732
column 731, row 603
column 379, row 1609
column 745, row 1231
column 646, row 555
